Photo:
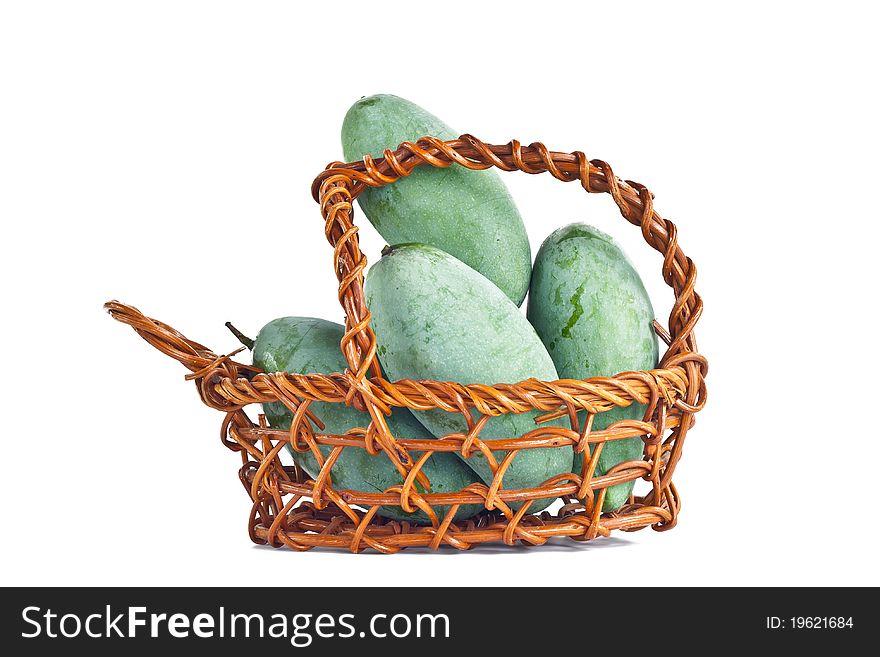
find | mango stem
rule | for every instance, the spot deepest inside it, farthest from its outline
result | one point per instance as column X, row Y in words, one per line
column 245, row 340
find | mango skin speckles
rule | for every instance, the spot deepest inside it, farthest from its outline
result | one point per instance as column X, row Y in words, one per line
column 591, row 310
column 469, row 214
column 436, row 318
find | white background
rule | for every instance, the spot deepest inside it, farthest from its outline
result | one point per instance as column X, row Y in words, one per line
column 161, row 153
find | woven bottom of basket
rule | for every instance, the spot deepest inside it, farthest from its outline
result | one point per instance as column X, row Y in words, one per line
column 285, row 513
column 306, row 527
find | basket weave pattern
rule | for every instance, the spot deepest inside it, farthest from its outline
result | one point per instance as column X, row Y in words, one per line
column 290, row 509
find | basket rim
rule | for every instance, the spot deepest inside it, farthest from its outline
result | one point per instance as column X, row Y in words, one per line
column 227, row 388
column 620, row 430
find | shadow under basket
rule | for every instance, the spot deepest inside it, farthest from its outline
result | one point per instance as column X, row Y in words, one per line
column 291, row 509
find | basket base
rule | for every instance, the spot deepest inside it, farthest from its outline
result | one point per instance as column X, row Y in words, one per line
column 305, row 528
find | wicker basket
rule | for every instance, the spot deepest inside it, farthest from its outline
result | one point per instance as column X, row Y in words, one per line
column 293, row 510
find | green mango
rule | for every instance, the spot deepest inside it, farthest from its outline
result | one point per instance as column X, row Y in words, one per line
column 308, row 345
column 466, row 213
column 592, row 311
column 436, row 318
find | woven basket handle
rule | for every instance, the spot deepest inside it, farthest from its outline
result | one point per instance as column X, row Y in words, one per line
column 339, row 184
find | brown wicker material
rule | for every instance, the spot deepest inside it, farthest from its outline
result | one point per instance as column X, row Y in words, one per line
column 293, row 510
